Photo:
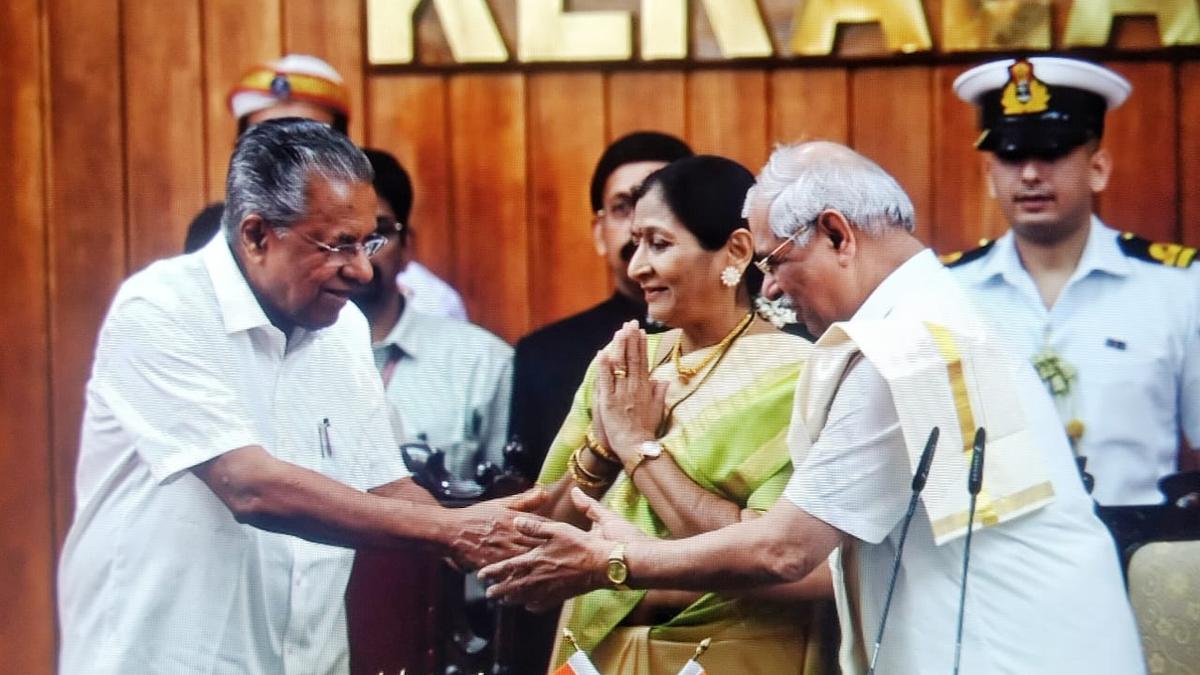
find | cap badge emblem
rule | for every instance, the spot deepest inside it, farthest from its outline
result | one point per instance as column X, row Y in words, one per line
column 281, row 88
column 1024, row 93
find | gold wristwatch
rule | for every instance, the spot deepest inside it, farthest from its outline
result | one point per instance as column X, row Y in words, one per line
column 648, row 450
column 617, row 571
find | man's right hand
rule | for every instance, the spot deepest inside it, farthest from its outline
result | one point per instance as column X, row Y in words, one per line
column 485, row 533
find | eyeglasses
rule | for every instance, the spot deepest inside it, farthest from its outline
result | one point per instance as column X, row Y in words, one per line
column 620, row 209
column 770, row 262
column 342, row 254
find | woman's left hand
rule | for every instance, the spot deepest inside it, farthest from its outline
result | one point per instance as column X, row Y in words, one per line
column 630, row 403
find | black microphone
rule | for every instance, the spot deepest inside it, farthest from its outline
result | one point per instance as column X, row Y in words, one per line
column 918, row 484
column 974, row 485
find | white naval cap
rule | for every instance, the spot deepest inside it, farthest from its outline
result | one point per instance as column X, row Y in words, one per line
column 1042, row 104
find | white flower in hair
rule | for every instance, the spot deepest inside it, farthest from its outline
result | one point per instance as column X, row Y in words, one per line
column 778, row 311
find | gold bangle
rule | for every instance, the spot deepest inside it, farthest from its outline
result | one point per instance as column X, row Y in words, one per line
column 579, row 463
column 581, row 476
column 602, row 452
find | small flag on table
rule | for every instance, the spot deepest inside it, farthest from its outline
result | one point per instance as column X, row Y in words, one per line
column 579, row 663
column 693, row 667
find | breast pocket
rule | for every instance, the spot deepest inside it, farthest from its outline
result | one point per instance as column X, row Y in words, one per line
column 349, row 457
column 1127, row 387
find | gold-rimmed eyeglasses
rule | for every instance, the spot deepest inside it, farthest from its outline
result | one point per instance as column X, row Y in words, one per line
column 342, row 254
column 770, row 262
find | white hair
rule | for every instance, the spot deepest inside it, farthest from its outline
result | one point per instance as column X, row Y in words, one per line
column 801, row 181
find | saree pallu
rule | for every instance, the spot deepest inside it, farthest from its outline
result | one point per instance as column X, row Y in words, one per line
column 727, row 431
column 794, row 645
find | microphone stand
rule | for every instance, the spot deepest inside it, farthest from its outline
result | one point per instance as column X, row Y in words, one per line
column 918, row 484
column 974, row 485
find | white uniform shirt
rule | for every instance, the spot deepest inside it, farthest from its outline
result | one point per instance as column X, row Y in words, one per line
column 428, row 293
column 451, row 384
column 1131, row 330
column 1045, row 594
column 156, row 575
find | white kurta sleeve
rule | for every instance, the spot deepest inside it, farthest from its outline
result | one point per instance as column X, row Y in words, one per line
column 856, row 477
column 172, row 392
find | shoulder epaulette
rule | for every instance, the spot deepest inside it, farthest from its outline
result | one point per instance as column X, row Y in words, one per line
column 1171, row 255
column 963, row 257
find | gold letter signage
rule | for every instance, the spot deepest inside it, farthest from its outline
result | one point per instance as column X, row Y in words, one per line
column 546, row 33
column 468, row 24
column 1091, row 20
column 553, row 31
column 903, row 23
column 739, row 29
column 995, row 24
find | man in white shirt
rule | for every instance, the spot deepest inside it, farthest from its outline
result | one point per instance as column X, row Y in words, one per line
column 1046, row 594
column 235, row 442
column 448, row 380
column 1110, row 321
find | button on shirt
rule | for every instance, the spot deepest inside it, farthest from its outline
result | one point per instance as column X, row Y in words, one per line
column 1131, row 330
column 156, row 575
column 449, row 384
column 1045, row 593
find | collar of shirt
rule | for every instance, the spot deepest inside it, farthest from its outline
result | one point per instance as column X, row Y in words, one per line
column 240, row 310
column 404, row 335
column 1100, row 254
column 903, row 279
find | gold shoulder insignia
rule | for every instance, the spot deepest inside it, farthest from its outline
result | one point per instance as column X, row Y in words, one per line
column 963, row 257
column 1171, row 255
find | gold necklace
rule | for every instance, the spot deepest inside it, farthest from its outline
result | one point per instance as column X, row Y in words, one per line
column 686, row 374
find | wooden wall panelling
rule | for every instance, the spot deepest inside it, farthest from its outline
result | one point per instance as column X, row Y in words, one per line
column 809, row 104
column 727, row 115
column 1188, row 149
column 1141, row 134
column 962, row 210
column 647, row 100
column 566, row 137
column 86, row 211
column 26, row 487
column 237, row 35
column 890, row 123
column 488, row 144
column 164, row 117
column 333, row 31
column 406, row 116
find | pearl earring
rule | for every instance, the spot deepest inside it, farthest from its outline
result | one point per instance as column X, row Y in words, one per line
column 731, row 276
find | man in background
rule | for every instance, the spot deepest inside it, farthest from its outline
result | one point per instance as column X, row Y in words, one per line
column 1110, row 321
column 550, row 362
column 448, row 381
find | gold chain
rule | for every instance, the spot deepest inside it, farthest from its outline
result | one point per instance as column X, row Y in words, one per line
column 686, row 374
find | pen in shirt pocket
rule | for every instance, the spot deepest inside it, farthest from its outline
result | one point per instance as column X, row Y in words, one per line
column 323, row 436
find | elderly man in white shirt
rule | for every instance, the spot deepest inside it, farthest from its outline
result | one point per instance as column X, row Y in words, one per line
column 235, row 442
column 901, row 351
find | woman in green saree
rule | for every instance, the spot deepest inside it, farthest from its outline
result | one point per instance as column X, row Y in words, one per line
column 685, row 432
